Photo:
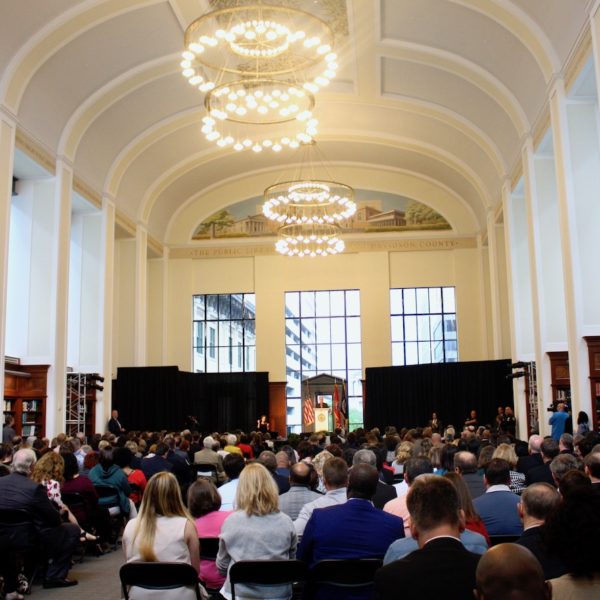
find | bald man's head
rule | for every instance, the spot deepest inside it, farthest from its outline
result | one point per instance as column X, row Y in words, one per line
column 510, row 572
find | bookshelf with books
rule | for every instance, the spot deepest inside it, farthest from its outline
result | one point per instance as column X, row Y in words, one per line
column 561, row 378
column 593, row 344
column 25, row 396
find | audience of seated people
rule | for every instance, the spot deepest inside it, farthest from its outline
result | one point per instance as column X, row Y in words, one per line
column 309, row 487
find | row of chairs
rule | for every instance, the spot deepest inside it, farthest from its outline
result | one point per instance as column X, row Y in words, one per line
column 346, row 573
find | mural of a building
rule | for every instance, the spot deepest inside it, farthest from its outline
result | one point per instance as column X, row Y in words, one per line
column 389, row 213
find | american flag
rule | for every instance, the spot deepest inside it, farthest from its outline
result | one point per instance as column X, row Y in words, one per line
column 308, row 413
column 336, row 408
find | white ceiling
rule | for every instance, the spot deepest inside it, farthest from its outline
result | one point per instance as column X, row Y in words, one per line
column 436, row 90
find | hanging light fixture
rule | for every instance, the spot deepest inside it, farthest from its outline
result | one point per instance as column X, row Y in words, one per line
column 259, row 65
column 309, row 208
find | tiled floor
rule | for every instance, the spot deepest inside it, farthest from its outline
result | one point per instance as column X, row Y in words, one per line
column 98, row 580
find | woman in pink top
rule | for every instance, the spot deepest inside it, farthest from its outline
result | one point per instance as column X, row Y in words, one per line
column 204, row 503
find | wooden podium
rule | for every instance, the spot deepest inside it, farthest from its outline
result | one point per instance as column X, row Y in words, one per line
column 322, row 417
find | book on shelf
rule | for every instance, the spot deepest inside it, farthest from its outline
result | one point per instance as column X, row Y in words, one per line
column 28, row 430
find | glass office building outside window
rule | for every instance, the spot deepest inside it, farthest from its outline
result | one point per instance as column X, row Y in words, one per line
column 423, row 325
column 224, row 333
column 322, row 333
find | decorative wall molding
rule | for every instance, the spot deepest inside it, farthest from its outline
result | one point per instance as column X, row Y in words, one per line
column 35, row 151
column 220, row 250
column 90, row 194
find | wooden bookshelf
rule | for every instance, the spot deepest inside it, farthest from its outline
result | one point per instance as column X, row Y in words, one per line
column 25, row 396
column 561, row 378
column 593, row 344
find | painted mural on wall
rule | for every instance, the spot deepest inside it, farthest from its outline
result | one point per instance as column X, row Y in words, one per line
column 376, row 213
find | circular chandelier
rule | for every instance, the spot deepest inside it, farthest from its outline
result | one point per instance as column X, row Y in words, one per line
column 309, row 210
column 259, row 64
column 310, row 240
column 309, row 201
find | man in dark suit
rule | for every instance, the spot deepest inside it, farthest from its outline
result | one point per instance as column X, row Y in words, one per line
column 534, row 458
column 114, row 425
column 384, row 492
column 355, row 529
column 158, row 462
column 58, row 539
column 180, row 465
column 550, row 450
column 442, row 567
column 537, row 502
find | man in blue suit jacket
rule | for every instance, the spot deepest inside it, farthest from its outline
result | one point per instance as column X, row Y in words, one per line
column 355, row 529
column 498, row 506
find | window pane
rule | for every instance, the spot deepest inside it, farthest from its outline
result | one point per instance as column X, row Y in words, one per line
column 337, row 304
column 424, row 352
column 309, row 356
column 224, row 365
column 410, row 304
column 435, row 300
column 355, row 406
column 322, row 304
column 324, row 357
column 225, row 306
column 397, row 329
column 437, row 328
column 323, row 333
column 236, row 306
column 338, row 357
column 353, row 329
column 293, row 386
column 450, row 327
column 422, row 300
column 354, row 383
column 396, row 302
column 354, row 358
column 307, row 304
column 199, row 310
column 398, row 355
column 412, row 356
column 199, row 340
column 198, row 362
column 353, row 303
column 338, row 333
column 212, row 307
column 410, row 328
column 250, row 355
column 250, row 333
column 308, row 331
column 423, row 327
column 438, row 352
column 292, row 304
column 249, row 306
column 449, row 305
column 223, row 332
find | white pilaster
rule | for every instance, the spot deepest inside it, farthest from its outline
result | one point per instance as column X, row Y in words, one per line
column 104, row 399
column 578, row 357
column 544, row 379
column 59, row 298
column 141, row 294
column 595, row 29
column 494, row 285
column 7, row 154
column 165, row 290
column 513, row 302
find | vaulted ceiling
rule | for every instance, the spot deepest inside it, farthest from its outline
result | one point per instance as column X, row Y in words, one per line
column 433, row 99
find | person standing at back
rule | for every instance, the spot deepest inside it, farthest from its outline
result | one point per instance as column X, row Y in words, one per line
column 558, row 421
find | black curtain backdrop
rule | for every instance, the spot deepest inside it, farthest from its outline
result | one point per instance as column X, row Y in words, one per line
column 157, row 398
column 406, row 396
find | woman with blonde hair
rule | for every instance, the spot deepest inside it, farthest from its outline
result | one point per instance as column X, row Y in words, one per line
column 257, row 530
column 163, row 531
column 517, row 480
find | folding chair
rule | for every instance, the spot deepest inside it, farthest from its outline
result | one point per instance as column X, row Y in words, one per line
column 205, row 471
column 344, row 573
column 158, row 576
column 267, row 573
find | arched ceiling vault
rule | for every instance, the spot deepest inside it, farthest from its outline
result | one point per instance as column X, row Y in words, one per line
column 427, row 88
